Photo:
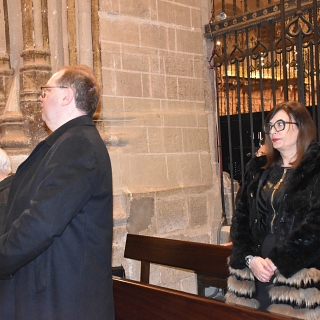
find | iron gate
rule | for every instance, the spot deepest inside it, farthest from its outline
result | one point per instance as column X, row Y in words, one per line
column 259, row 59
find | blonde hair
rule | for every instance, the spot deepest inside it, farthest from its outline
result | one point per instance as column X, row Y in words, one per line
column 5, row 164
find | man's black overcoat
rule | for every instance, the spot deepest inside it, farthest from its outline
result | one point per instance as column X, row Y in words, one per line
column 55, row 249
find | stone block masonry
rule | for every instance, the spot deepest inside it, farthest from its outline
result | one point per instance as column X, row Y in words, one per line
column 158, row 116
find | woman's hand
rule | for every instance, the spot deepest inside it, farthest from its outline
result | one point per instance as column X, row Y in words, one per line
column 226, row 244
column 273, row 267
column 263, row 269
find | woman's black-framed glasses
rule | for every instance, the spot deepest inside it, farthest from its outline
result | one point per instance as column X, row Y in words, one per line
column 44, row 90
column 278, row 126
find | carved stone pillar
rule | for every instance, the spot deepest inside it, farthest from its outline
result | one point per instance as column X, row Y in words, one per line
column 6, row 74
column 12, row 137
column 5, row 71
column 36, row 69
column 96, row 48
column 72, row 33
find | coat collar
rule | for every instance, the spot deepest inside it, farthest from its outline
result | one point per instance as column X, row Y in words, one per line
column 310, row 160
column 77, row 122
column 307, row 169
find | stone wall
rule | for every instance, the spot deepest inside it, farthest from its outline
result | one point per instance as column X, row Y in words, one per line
column 157, row 114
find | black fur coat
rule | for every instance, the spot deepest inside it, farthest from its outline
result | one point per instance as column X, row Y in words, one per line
column 296, row 254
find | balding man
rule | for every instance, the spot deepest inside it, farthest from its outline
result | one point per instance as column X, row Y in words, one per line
column 55, row 252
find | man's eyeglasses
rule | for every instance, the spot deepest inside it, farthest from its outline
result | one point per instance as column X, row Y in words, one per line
column 278, row 126
column 45, row 90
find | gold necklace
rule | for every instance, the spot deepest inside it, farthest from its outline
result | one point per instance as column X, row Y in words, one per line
column 275, row 188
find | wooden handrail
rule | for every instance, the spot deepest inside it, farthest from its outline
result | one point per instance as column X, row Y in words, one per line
column 202, row 258
column 138, row 301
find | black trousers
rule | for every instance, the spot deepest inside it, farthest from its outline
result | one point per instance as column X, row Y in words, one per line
column 262, row 287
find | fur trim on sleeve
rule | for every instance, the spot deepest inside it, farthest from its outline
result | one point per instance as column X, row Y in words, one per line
column 296, row 296
column 241, row 288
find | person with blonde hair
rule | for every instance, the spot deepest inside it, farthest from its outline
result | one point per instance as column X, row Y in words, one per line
column 5, row 165
column 5, row 182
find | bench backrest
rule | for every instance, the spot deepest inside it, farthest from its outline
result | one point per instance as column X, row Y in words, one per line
column 136, row 301
column 204, row 259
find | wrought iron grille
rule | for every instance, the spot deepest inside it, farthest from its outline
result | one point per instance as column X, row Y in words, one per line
column 259, row 59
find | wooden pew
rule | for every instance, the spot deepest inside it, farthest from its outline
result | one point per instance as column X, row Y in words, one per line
column 137, row 301
column 208, row 261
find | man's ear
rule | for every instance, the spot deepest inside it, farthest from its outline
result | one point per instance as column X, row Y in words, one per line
column 68, row 96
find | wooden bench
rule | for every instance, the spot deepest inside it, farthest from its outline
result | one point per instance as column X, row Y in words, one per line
column 134, row 300
column 208, row 261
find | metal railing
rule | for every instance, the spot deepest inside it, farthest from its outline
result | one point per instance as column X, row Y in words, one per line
column 260, row 58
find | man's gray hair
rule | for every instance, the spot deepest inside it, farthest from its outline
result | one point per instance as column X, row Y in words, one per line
column 5, row 163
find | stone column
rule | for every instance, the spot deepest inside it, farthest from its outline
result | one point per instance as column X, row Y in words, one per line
column 5, row 71
column 96, row 39
column 96, row 56
column 12, row 139
column 36, row 69
column 71, row 16
column 84, row 37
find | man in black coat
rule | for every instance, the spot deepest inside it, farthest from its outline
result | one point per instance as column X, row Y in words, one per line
column 55, row 250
